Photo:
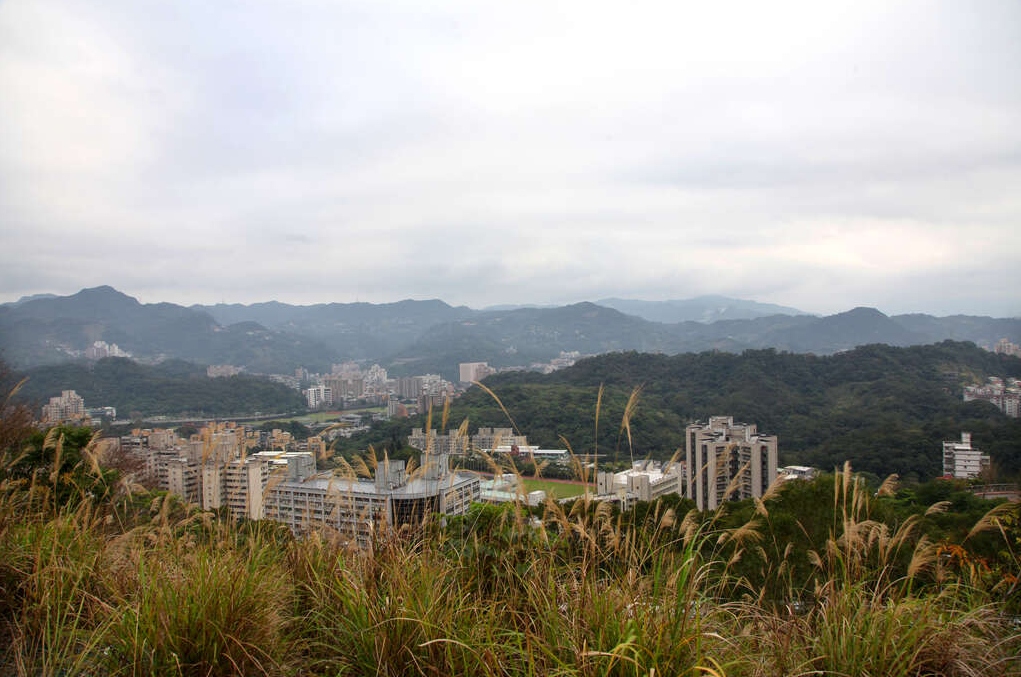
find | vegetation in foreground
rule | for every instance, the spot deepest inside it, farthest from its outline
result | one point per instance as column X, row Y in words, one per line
column 98, row 576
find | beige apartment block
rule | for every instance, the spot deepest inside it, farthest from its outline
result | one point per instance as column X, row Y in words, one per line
column 727, row 461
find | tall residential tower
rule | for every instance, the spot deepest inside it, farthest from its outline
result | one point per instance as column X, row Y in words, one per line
column 727, row 461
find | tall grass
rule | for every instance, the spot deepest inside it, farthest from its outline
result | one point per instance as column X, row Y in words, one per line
column 124, row 583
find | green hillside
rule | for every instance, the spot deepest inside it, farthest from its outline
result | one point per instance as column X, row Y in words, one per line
column 886, row 409
column 172, row 387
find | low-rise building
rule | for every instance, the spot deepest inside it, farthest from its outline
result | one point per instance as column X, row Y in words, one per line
column 531, row 451
column 357, row 507
column 644, row 481
column 797, row 472
column 961, row 460
column 448, row 443
column 507, row 488
column 490, row 438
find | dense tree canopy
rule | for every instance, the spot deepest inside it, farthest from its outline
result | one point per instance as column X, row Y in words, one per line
column 171, row 387
column 886, row 409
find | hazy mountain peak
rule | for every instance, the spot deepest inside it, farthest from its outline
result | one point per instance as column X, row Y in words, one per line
column 31, row 297
column 861, row 312
column 706, row 309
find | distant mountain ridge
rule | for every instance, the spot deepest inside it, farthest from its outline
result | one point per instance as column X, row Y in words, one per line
column 706, row 309
column 53, row 330
column 353, row 330
column 414, row 337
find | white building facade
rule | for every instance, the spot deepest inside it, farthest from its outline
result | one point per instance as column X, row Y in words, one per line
column 961, row 460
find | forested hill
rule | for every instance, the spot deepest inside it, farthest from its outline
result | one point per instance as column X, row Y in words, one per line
column 885, row 409
column 172, row 387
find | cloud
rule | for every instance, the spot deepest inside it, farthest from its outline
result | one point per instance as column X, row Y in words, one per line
column 822, row 155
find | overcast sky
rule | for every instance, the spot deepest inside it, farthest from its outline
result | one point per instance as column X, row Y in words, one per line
column 822, row 155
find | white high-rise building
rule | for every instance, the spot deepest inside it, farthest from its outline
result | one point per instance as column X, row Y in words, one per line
column 961, row 460
column 319, row 396
column 727, row 461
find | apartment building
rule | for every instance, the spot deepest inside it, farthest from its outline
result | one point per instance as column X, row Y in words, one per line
column 68, row 406
column 409, row 387
column 449, row 443
column 345, row 387
column 1004, row 396
column 1006, row 347
column 183, row 478
column 318, row 396
column 240, row 483
column 961, row 460
column 474, row 371
column 727, row 461
column 100, row 349
column 490, row 438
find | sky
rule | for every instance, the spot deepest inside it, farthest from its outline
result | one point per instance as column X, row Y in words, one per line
column 821, row 155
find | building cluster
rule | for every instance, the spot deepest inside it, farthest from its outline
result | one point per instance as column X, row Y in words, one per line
column 724, row 461
column 961, row 460
column 1005, row 347
column 100, row 349
column 1004, row 396
column 222, row 370
column 219, row 468
column 347, row 385
column 488, row 440
column 69, row 407
column 727, row 461
column 469, row 372
column 566, row 359
column 643, row 481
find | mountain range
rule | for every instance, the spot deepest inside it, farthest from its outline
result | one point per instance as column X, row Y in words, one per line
column 414, row 337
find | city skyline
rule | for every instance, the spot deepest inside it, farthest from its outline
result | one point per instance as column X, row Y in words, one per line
column 821, row 156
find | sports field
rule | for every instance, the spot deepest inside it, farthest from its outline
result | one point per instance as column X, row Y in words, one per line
column 557, row 489
column 323, row 416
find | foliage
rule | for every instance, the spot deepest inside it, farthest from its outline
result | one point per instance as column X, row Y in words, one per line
column 298, row 430
column 126, row 583
column 885, row 409
column 172, row 387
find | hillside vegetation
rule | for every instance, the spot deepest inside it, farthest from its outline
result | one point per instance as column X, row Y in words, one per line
column 885, row 409
column 172, row 387
column 823, row 578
